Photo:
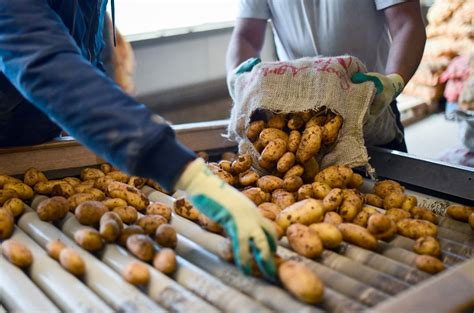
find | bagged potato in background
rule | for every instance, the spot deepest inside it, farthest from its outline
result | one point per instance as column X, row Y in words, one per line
column 312, row 84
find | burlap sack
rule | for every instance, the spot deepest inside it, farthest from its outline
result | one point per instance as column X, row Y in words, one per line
column 301, row 85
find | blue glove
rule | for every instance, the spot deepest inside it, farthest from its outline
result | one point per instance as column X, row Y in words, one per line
column 244, row 67
column 388, row 88
column 249, row 232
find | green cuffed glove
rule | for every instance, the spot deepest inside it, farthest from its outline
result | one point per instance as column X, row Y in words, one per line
column 249, row 232
column 245, row 66
column 388, row 88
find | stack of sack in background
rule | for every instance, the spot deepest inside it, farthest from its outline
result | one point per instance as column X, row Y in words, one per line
column 450, row 33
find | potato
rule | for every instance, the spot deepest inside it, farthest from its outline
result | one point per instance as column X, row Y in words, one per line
column 254, row 129
column 203, row 155
column 393, row 200
column 132, row 195
column 306, row 212
column 286, row 162
column 277, row 121
column 7, row 194
column 295, row 122
column 301, row 282
column 118, row 176
column 333, row 200
column 471, row 220
column 386, row 187
column 101, row 183
column 269, row 183
column 358, row 235
column 295, row 170
column 45, row 187
column 330, row 236
column 106, row 168
column 310, row 144
column 305, row 115
column 84, row 187
column 137, row 182
column 356, row 181
column 268, row 166
column 242, row 163
column 127, row 232
column 209, row 224
column 229, row 156
column 304, row 240
column 71, row 261
column 292, row 183
column 53, row 209
column 5, row 179
column 23, row 191
column 427, row 245
column 311, row 168
column 54, row 248
column 165, row 236
column 90, row 212
column 335, row 176
column 373, row 200
column 258, row 145
column 159, row 208
column 110, row 229
column 112, row 203
column 112, row 216
column 141, row 246
column 255, row 194
column 17, row 253
column 332, row 218
column 362, row 218
column 429, row 264
column 226, row 165
column 269, row 134
column 409, row 203
column 184, row 208
column 269, row 210
column 423, row 214
column 415, row 229
column 15, row 206
column 331, row 130
column 165, row 261
column 294, row 140
column 6, row 223
column 397, row 214
column 248, row 178
column 73, row 181
column 459, row 212
column 128, row 214
column 150, row 223
column 78, row 198
column 378, row 223
column 63, row 189
column 225, row 176
column 351, row 204
column 320, row 190
column 305, row 192
column 89, row 239
column 317, row 120
column 389, row 233
column 282, row 198
column 33, row 176
column 91, row 173
column 136, row 273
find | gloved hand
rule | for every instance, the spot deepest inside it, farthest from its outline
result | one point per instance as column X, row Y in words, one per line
column 388, row 88
column 245, row 66
column 248, row 231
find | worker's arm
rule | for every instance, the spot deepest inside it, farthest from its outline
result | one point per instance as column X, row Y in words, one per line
column 246, row 41
column 408, row 38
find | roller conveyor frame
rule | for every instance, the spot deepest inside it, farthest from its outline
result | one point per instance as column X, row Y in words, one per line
column 424, row 178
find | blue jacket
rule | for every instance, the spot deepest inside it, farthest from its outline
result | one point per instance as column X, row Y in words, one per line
column 49, row 58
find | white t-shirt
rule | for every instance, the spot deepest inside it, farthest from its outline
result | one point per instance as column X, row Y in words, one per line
column 305, row 28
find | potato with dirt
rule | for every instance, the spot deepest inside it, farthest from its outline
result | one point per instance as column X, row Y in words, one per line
column 304, row 240
column 7, row 223
column 248, row 178
column 90, row 212
column 15, row 206
column 33, row 176
column 242, row 163
column 225, row 165
column 128, row 214
column 209, row 224
column 141, row 246
column 165, row 236
column 320, row 190
column 269, row 134
column 332, row 218
column 89, row 239
column 137, row 182
column 292, row 183
column 23, row 191
column 305, row 192
column 255, row 194
column 310, row 144
column 78, row 198
column 54, row 248
column 294, row 139
column 6, row 195
column 362, row 218
column 101, row 183
column 254, row 129
column 72, row 262
column 427, row 245
column 331, row 130
column 330, row 236
column 459, row 212
column 159, row 208
column 150, row 223
column 132, row 195
column 184, row 208
column 268, row 183
column 301, row 282
column 423, row 214
column 352, row 203
column 357, row 235
column 112, row 203
column 374, row 200
column 286, row 162
column 295, row 170
column 409, row 203
column 274, row 150
column 335, row 176
column 317, row 120
column 385, row 187
column 277, row 121
column 136, row 273
column 333, row 200
column 17, row 253
column 53, row 209
column 269, row 210
column 127, row 232
column 165, row 261
column 397, row 214
column 393, row 200
column 295, row 122
column 91, row 173
column 73, row 181
column 356, row 181
column 63, row 189
column 282, row 198
column 415, row 229
column 5, row 179
column 378, row 223
column 305, row 212
column 118, row 176
column 429, row 264
column 110, row 227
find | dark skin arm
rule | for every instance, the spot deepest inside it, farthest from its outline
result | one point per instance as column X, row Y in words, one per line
column 246, row 41
column 408, row 38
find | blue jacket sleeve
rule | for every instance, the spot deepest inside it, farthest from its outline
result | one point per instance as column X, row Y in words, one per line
column 42, row 61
